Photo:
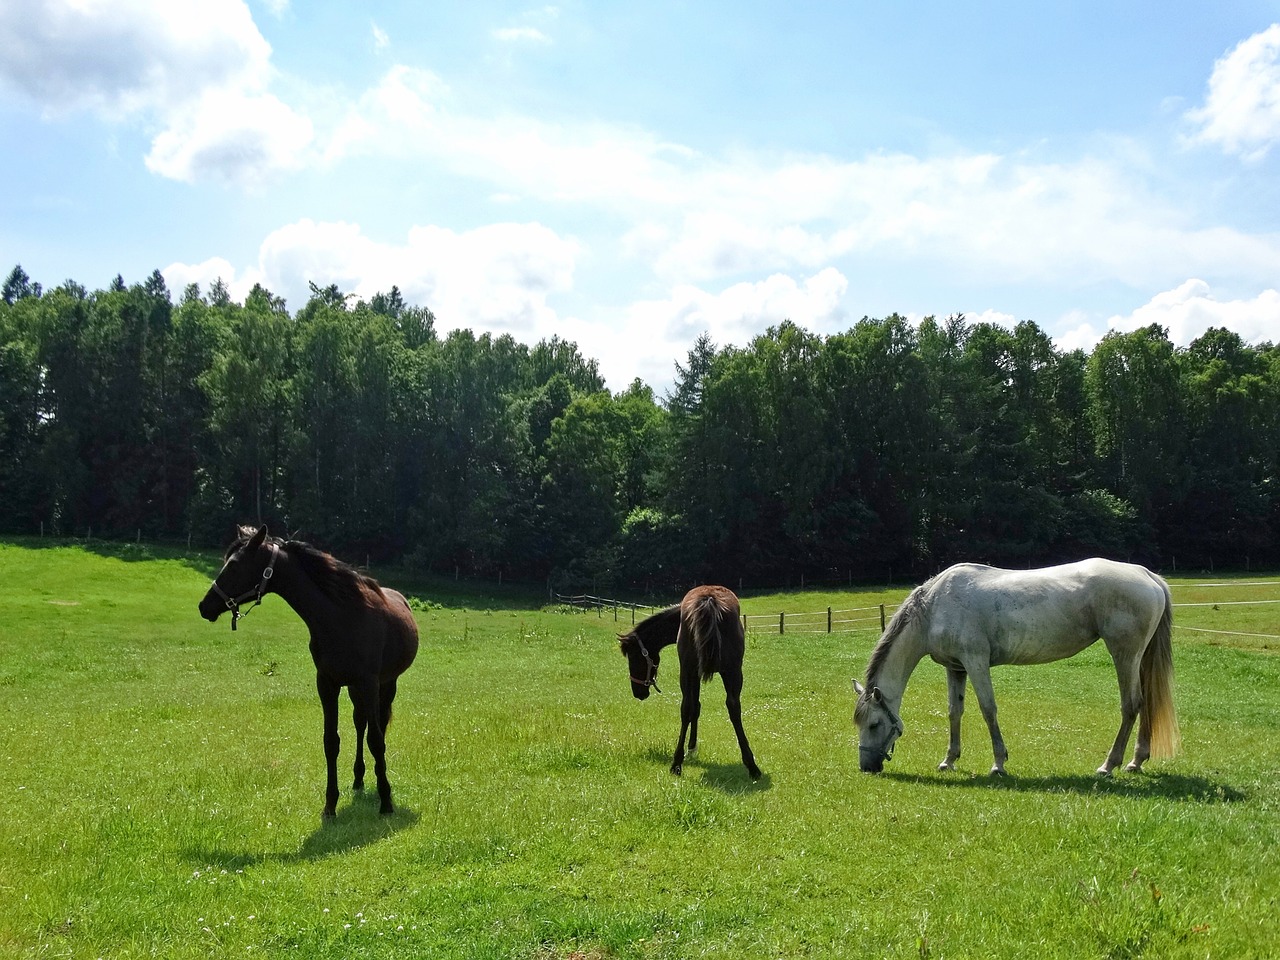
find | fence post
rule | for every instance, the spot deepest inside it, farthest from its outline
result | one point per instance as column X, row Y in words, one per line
column 882, row 618
column 828, row 619
column 782, row 623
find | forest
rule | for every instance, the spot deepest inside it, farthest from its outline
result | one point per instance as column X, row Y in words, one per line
column 886, row 451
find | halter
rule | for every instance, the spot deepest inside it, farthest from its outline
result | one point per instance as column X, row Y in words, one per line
column 898, row 729
column 233, row 603
column 652, row 680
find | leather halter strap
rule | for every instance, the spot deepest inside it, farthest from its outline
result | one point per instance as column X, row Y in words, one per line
column 255, row 593
column 652, row 680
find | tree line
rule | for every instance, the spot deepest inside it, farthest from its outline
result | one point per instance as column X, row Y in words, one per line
column 888, row 448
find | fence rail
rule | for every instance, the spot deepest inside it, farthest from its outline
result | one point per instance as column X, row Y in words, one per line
column 871, row 618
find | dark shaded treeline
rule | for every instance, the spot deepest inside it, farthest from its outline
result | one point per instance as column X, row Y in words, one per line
column 886, row 447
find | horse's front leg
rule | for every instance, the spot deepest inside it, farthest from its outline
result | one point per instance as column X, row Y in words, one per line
column 955, row 710
column 328, row 690
column 981, row 679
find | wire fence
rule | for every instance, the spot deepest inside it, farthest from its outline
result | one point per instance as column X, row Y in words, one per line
column 872, row 619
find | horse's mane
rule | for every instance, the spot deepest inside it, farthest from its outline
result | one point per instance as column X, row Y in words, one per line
column 656, row 630
column 337, row 580
column 902, row 618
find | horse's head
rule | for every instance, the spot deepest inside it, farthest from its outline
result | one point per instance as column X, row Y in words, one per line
column 878, row 728
column 642, row 663
column 248, row 565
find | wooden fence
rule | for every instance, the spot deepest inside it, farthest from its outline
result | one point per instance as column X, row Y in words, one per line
column 858, row 619
column 823, row 621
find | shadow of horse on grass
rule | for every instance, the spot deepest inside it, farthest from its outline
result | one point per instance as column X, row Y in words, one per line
column 731, row 778
column 1177, row 787
column 357, row 825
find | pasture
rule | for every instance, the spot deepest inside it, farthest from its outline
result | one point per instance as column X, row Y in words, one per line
column 162, row 780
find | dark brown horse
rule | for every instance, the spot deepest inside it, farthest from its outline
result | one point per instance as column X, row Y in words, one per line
column 363, row 636
column 707, row 632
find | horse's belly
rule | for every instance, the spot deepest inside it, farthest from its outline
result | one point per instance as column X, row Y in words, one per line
column 1031, row 648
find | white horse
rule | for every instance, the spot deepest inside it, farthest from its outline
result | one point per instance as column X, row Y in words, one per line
column 971, row 617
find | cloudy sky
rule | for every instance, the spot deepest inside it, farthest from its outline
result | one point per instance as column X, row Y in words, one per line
column 629, row 176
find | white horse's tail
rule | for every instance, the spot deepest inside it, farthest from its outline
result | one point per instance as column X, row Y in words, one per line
column 1157, row 685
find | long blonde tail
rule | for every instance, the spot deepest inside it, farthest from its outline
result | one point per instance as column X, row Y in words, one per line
column 1157, row 685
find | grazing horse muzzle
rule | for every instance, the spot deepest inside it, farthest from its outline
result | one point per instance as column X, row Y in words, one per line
column 640, row 685
column 872, row 761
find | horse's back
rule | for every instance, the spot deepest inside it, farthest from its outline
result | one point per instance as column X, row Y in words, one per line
column 709, row 617
column 1045, row 614
column 723, row 600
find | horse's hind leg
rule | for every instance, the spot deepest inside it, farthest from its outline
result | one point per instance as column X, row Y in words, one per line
column 1142, row 749
column 981, row 679
column 733, row 703
column 328, row 691
column 690, row 706
column 362, row 723
column 366, row 691
column 955, row 710
column 1130, row 707
column 693, row 728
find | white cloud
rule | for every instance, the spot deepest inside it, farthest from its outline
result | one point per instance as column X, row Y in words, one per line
column 277, row 8
column 1241, row 112
column 694, row 218
column 494, row 278
column 197, row 72
column 233, row 137
column 1187, row 312
column 521, row 35
column 380, row 39
column 178, row 275
column 128, row 56
column 744, row 309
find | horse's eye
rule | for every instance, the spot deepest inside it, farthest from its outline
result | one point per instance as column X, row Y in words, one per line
column 875, row 724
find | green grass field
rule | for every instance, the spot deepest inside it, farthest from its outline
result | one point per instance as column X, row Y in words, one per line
column 162, row 779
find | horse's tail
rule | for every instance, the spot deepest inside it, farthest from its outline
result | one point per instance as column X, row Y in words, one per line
column 1157, row 684
column 708, row 615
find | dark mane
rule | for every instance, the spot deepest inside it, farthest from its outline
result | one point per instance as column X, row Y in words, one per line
column 656, row 630
column 339, row 581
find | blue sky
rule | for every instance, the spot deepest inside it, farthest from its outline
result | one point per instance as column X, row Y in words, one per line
column 629, row 176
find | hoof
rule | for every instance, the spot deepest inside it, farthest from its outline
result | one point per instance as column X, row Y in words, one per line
column 358, row 786
column 997, row 771
column 944, row 766
column 1133, row 767
column 676, row 769
column 754, row 773
column 387, row 810
column 1104, row 771
column 328, row 814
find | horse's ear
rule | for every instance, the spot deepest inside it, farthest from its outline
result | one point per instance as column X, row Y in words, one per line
column 876, row 695
column 858, row 688
column 258, row 537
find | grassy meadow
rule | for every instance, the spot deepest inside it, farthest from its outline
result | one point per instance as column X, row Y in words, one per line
column 161, row 780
